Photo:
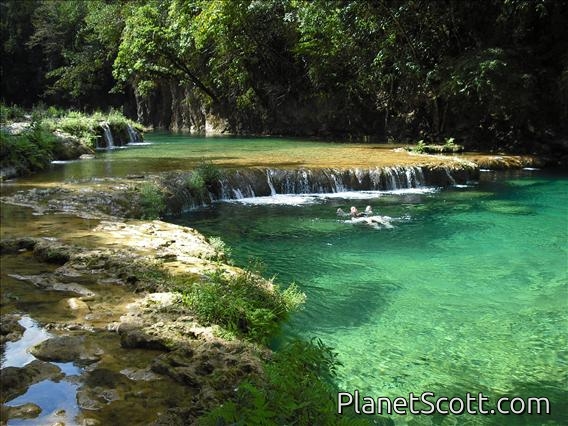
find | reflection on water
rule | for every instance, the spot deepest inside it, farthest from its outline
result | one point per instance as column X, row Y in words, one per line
column 16, row 353
column 467, row 293
column 56, row 400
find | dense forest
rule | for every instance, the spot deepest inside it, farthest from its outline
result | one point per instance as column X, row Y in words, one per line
column 492, row 74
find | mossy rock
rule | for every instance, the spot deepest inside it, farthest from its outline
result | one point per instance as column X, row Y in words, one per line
column 50, row 253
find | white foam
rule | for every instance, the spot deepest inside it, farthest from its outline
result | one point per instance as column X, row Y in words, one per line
column 367, row 195
column 279, row 199
column 303, row 199
column 377, row 222
column 139, row 143
column 64, row 161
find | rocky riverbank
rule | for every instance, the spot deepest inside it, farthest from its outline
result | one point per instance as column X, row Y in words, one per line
column 118, row 289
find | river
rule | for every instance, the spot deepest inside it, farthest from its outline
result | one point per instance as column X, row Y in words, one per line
column 455, row 290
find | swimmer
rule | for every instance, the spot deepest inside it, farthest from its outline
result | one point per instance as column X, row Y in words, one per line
column 368, row 211
column 354, row 212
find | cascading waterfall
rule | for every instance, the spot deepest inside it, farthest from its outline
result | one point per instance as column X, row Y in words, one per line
column 133, row 135
column 270, row 182
column 250, row 183
column 450, row 177
column 107, row 134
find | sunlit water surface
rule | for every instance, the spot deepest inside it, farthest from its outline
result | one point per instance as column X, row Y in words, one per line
column 466, row 293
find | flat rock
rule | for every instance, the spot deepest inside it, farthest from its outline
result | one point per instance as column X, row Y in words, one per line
column 25, row 411
column 67, row 349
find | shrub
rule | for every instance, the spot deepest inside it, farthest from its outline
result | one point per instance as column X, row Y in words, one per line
column 196, row 185
column 420, row 147
column 152, row 201
column 204, row 178
column 297, row 390
column 245, row 304
column 29, row 151
column 209, row 172
column 222, row 251
column 11, row 113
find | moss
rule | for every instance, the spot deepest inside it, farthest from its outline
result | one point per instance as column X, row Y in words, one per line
column 16, row 245
column 48, row 253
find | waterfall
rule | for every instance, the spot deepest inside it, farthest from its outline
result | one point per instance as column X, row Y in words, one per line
column 269, row 182
column 265, row 182
column 450, row 177
column 133, row 135
column 107, row 134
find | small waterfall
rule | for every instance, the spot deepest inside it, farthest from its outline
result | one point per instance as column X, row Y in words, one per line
column 133, row 135
column 107, row 134
column 249, row 183
column 269, row 182
column 450, row 177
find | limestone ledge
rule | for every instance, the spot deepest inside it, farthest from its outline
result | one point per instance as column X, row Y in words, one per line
column 110, row 289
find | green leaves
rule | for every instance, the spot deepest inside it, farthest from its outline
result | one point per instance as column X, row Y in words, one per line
column 244, row 304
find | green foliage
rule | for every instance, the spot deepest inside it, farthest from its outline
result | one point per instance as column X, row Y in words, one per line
column 420, row 147
column 410, row 69
column 222, row 250
column 451, row 146
column 196, row 185
column 297, row 390
column 244, row 304
column 152, row 201
column 30, row 151
column 203, row 178
column 87, row 127
column 11, row 113
column 209, row 172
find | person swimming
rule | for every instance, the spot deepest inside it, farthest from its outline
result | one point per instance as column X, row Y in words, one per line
column 354, row 212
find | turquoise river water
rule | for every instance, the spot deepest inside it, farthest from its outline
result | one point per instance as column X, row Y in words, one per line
column 466, row 292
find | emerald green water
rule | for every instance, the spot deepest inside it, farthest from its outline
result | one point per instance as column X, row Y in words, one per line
column 164, row 152
column 468, row 292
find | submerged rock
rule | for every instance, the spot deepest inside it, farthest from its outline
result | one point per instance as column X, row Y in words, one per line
column 136, row 338
column 48, row 282
column 67, row 349
column 52, row 253
column 17, row 245
column 25, row 411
